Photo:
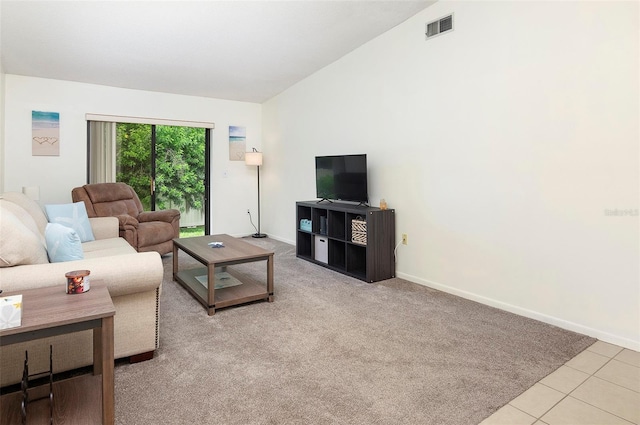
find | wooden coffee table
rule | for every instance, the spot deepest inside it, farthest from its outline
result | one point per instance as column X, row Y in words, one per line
column 50, row 311
column 201, row 282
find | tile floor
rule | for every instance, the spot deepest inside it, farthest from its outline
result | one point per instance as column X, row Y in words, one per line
column 600, row 386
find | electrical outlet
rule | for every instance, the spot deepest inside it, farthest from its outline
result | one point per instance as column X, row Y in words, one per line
column 404, row 239
column 248, row 211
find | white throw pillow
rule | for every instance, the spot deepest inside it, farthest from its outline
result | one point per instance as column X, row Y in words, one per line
column 31, row 206
column 22, row 215
column 73, row 216
column 63, row 243
column 18, row 244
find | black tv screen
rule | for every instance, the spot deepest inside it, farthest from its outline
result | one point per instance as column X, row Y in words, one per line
column 342, row 177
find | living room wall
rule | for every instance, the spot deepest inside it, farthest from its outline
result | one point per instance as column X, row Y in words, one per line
column 233, row 183
column 509, row 149
column 1, row 127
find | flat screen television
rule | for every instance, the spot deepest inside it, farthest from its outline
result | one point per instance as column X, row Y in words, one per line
column 342, row 177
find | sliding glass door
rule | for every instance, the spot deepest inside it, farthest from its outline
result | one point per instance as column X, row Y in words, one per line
column 133, row 160
column 167, row 166
column 180, row 175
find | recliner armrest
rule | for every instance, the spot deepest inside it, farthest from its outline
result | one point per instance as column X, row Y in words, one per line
column 126, row 220
column 167, row 216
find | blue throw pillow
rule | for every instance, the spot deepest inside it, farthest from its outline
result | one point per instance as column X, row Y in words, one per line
column 73, row 216
column 63, row 243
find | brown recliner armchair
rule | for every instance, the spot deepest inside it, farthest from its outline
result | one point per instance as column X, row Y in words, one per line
column 144, row 230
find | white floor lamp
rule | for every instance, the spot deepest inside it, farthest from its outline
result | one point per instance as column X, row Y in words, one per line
column 255, row 158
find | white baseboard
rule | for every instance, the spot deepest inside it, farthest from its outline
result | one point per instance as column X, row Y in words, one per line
column 561, row 323
column 555, row 321
column 283, row 240
column 278, row 238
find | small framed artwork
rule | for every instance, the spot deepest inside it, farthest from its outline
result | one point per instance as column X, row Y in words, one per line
column 237, row 142
column 45, row 133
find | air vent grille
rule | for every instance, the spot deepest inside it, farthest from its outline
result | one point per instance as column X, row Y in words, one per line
column 439, row 26
column 446, row 23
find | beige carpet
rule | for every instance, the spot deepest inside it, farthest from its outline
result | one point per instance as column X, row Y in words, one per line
column 335, row 350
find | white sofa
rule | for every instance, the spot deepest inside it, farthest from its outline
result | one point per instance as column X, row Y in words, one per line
column 133, row 280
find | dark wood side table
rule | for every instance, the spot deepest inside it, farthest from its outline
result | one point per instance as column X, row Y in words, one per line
column 50, row 311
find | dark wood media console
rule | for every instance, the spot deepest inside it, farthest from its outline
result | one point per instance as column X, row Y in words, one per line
column 330, row 240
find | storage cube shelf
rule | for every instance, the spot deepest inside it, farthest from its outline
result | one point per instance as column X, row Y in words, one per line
column 363, row 250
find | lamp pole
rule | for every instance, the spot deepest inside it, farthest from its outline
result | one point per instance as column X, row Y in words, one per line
column 259, row 235
column 255, row 158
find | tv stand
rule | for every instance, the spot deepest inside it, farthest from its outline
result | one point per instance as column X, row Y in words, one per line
column 325, row 199
column 335, row 242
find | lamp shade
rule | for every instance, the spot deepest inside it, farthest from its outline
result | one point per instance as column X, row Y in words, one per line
column 253, row 158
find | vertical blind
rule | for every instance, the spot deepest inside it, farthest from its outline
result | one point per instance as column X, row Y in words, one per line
column 102, row 152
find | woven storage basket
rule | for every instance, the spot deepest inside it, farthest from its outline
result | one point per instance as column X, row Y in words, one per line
column 359, row 231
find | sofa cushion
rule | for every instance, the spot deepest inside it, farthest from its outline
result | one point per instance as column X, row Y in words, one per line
column 24, row 217
column 107, row 248
column 18, row 244
column 71, row 215
column 30, row 206
column 63, row 243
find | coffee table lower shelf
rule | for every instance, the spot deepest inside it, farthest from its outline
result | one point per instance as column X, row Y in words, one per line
column 75, row 401
column 249, row 290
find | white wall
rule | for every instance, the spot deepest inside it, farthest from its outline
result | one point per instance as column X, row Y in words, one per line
column 1, row 117
column 1, row 127
column 502, row 146
column 232, row 193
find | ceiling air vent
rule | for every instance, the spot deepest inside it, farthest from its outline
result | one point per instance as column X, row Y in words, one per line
column 439, row 26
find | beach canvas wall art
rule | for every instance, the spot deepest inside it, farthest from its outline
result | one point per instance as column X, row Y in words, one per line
column 45, row 131
column 237, row 143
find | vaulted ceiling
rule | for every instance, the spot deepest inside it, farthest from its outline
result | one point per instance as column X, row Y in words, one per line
column 237, row 50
